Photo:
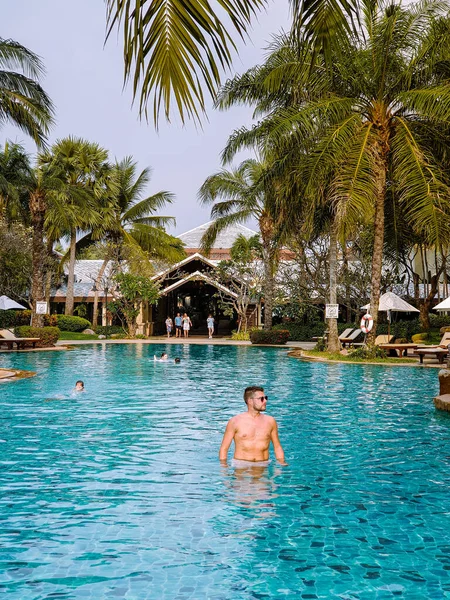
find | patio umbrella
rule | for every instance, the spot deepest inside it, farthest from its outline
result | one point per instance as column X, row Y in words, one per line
column 8, row 304
column 390, row 302
column 444, row 305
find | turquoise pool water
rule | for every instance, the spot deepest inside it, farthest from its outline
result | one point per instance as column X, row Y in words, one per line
column 118, row 493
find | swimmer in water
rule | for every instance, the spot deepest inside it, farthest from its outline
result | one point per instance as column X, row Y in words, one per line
column 252, row 432
column 79, row 386
column 163, row 358
column 177, row 360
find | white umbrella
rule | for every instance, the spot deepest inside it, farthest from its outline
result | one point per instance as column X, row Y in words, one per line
column 444, row 305
column 8, row 304
column 391, row 302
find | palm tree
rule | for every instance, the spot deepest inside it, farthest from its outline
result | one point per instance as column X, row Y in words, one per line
column 133, row 226
column 177, row 52
column 240, row 194
column 14, row 168
column 23, row 102
column 367, row 125
column 84, row 167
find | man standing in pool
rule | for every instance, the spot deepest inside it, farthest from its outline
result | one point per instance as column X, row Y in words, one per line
column 252, row 432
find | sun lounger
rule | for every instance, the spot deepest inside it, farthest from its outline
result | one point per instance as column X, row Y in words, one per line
column 351, row 338
column 439, row 353
column 7, row 337
column 346, row 333
column 383, row 339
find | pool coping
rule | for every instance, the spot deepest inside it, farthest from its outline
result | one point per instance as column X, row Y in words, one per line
column 293, row 354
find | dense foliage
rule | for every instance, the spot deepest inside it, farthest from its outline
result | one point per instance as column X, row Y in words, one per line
column 69, row 323
column 48, row 336
column 273, row 336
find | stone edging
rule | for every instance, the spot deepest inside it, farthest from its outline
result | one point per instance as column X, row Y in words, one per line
column 299, row 354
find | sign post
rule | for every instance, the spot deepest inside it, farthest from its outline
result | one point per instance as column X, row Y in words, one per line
column 41, row 308
column 331, row 311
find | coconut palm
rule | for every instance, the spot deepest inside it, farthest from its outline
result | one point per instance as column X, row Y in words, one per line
column 84, row 167
column 23, row 102
column 240, row 194
column 133, row 226
column 177, row 52
column 367, row 126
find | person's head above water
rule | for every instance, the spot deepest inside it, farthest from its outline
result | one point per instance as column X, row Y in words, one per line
column 79, row 386
column 255, row 399
column 178, row 359
column 164, row 356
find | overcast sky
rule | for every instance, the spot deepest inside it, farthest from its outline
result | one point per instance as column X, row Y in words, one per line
column 84, row 80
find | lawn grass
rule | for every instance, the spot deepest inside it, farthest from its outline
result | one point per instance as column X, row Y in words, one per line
column 76, row 335
column 348, row 358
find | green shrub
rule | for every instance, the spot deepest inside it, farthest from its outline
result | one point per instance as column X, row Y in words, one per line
column 50, row 320
column 48, row 335
column 68, row 323
column 418, row 338
column 321, row 345
column 13, row 318
column 439, row 320
column 240, row 336
column 299, row 332
column 274, row 336
column 138, row 336
column 108, row 329
column 368, row 352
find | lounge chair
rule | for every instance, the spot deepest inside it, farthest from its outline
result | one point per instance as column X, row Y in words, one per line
column 383, row 339
column 7, row 337
column 350, row 338
column 445, row 341
column 346, row 333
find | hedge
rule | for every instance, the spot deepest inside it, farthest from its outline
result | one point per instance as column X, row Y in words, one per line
column 12, row 318
column 109, row 329
column 274, row 336
column 68, row 323
column 48, row 335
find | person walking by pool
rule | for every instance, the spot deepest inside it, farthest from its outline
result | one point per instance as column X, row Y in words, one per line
column 178, row 324
column 169, row 326
column 210, row 324
column 252, row 432
column 187, row 324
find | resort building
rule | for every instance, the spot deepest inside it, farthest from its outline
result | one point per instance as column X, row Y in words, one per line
column 190, row 286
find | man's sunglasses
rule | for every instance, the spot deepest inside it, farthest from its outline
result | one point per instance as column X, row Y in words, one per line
column 261, row 398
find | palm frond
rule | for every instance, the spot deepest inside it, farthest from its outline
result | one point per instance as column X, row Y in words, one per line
column 174, row 50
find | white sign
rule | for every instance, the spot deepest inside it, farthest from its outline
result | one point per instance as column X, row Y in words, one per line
column 331, row 311
column 41, row 308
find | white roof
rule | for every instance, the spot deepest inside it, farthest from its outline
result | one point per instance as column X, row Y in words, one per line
column 86, row 271
column 8, row 304
column 197, row 276
column 444, row 305
column 225, row 239
column 392, row 302
column 183, row 262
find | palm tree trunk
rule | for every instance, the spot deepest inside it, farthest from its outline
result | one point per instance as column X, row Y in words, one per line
column 97, row 283
column 37, row 209
column 378, row 241
column 269, row 285
column 333, row 339
column 71, row 275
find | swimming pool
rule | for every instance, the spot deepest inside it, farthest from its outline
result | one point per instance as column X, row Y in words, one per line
column 118, row 493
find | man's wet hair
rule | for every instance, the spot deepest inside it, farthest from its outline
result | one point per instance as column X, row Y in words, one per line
column 250, row 390
column 79, row 381
column 178, row 360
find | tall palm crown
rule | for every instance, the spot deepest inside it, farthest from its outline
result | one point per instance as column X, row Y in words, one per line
column 239, row 194
column 134, row 221
column 377, row 121
column 23, row 102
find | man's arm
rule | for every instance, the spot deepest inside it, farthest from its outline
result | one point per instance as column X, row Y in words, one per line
column 227, row 439
column 279, row 453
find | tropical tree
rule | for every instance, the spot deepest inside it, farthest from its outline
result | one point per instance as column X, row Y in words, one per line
column 240, row 194
column 23, row 102
column 370, row 123
column 133, row 230
column 82, row 206
column 177, row 53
